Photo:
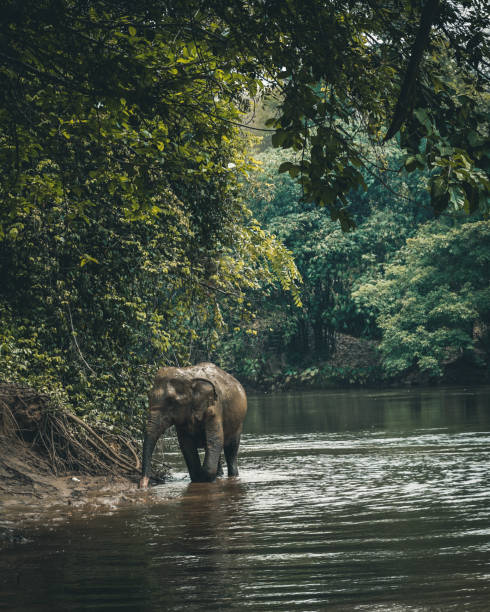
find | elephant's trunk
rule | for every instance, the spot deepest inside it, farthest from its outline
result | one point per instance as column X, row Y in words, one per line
column 155, row 427
column 148, row 448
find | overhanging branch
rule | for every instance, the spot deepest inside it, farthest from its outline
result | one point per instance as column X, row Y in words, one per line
column 427, row 18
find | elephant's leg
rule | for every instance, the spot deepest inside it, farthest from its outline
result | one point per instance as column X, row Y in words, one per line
column 214, row 448
column 219, row 473
column 231, row 454
column 191, row 456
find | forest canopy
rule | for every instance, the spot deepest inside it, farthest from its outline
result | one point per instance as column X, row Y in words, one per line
column 110, row 96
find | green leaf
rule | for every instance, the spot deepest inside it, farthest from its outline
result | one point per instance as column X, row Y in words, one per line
column 279, row 138
column 285, row 167
column 86, row 259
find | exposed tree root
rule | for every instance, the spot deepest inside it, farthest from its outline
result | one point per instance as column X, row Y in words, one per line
column 68, row 443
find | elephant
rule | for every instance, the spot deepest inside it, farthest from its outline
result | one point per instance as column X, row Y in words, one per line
column 207, row 406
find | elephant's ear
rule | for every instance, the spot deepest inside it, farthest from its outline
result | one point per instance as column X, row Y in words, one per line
column 204, row 393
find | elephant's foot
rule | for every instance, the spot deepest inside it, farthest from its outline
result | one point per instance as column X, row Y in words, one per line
column 205, row 475
column 203, row 479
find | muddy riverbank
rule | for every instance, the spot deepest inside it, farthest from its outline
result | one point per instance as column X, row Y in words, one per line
column 53, row 462
column 31, row 493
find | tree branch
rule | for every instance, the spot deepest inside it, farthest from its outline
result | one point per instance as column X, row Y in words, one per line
column 427, row 18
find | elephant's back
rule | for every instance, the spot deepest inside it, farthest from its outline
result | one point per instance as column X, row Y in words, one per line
column 214, row 373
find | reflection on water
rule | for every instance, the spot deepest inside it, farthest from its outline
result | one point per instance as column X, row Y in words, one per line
column 351, row 501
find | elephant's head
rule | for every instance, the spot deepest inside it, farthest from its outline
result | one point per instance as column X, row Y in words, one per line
column 178, row 397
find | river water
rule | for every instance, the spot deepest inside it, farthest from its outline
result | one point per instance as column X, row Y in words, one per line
column 345, row 501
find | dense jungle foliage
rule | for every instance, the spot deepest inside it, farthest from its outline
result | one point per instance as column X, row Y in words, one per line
column 417, row 285
column 137, row 230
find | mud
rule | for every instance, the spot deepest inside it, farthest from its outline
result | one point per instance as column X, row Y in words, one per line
column 30, row 493
column 53, row 464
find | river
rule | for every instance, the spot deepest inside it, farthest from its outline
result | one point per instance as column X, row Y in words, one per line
column 350, row 500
